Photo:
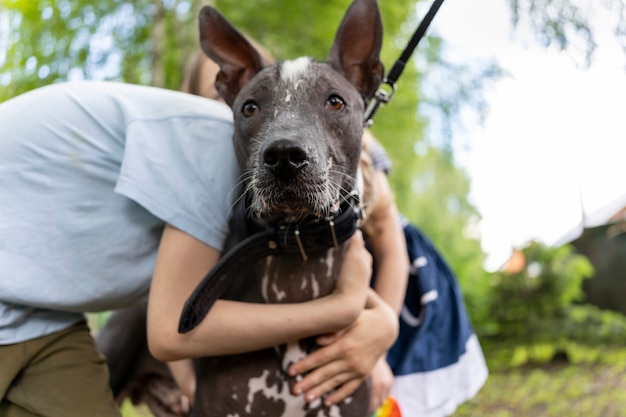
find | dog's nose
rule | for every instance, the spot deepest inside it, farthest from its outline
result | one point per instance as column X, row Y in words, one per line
column 284, row 158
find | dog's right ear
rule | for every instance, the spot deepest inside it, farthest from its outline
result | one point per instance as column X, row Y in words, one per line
column 355, row 52
column 239, row 61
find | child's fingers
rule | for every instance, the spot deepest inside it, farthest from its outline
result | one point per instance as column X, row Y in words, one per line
column 315, row 360
column 343, row 391
column 319, row 376
column 328, row 338
column 326, row 386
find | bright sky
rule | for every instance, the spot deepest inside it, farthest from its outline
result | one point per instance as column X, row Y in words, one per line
column 554, row 132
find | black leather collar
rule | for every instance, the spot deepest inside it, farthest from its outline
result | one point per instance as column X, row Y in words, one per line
column 310, row 236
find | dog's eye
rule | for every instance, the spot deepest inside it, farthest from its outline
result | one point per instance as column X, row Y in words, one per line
column 250, row 108
column 335, row 103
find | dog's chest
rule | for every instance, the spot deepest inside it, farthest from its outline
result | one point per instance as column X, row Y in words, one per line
column 291, row 279
column 255, row 384
column 272, row 387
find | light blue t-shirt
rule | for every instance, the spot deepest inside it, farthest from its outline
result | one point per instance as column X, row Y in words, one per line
column 89, row 174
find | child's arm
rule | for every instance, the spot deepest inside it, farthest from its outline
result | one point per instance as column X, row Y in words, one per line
column 232, row 326
column 389, row 245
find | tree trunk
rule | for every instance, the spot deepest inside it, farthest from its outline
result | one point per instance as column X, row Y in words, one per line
column 158, row 43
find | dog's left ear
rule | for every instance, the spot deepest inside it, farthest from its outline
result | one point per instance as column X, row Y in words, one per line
column 239, row 61
column 355, row 52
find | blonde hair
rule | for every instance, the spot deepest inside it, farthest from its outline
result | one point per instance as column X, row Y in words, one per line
column 200, row 76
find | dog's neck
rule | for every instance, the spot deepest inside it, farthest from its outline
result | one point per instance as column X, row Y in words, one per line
column 314, row 234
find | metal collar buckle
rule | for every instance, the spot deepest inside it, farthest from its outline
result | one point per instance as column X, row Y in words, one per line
column 354, row 203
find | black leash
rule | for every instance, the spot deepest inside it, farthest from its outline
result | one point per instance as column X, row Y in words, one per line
column 388, row 87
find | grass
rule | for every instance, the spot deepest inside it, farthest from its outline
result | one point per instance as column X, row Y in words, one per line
column 552, row 390
column 128, row 410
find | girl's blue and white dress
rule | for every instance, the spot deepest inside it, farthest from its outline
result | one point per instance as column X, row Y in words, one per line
column 437, row 360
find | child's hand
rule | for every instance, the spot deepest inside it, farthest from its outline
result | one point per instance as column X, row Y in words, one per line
column 346, row 358
column 382, row 378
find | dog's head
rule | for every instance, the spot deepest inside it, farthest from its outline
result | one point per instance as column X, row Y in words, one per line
column 299, row 123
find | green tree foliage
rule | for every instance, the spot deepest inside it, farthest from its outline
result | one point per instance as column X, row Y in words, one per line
column 537, row 313
column 56, row 40
column 549, row 282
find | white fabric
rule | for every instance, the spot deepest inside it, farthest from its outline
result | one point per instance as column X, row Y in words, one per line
column 438, row 393
column 89, row 174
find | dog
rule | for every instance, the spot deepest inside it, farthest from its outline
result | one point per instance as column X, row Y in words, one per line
column 297, row 136
column 298, row 127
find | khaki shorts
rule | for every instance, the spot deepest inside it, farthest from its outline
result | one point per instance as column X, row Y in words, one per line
column 60, row 375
